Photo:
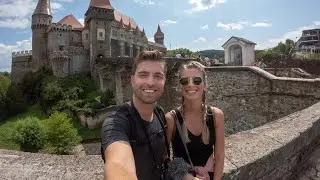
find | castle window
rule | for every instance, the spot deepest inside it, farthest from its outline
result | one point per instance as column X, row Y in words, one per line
column 97, row 23
column 100, row 47
column 60, row 34
column 100, row 34
column 87, row 36
column 61, row 48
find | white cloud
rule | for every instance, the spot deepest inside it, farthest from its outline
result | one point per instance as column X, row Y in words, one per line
column 81, row 20
column 145, row 2
column 230, row 26
column 293, row 35
column 14, row 23
column 241, row 24
column 203, row 5
column 262, row 24
column 200, row 39
column 167, row 22
column 17, row 13
column 151, row 39
column 205, row 27
column 6, row 52
column 219, row 39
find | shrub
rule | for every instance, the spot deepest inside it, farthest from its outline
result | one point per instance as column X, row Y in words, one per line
column 62, row 136
column 29, row 133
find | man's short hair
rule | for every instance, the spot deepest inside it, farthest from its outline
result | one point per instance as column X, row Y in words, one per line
column 149, row 56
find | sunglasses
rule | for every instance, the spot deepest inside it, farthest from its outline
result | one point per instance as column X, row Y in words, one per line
column 195, row 80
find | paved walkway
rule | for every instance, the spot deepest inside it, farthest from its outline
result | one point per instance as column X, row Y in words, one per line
column 16, row 165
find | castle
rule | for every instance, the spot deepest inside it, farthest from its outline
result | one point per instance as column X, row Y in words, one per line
column 67, row 47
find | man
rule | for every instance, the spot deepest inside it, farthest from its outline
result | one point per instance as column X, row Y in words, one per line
column 133, row 137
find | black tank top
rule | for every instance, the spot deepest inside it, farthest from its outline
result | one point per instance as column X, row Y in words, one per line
column 199, row 152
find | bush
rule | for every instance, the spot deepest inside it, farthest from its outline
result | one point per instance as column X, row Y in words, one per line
column 29, row 133
column 62, row 136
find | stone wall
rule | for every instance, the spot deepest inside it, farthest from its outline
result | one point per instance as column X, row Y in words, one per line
column 290, row 72
column 21, row 65
column 277, row 150
column 312, row 66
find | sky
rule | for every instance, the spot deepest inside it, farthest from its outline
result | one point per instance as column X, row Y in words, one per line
column 192, row 24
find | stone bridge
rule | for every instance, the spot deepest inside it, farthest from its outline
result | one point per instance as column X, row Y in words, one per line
column 287, row 148
column 272, row 126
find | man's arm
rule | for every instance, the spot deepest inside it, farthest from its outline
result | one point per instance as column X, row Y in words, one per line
column 119, row 163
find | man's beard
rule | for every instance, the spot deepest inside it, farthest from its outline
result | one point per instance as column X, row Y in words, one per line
column 139, row 95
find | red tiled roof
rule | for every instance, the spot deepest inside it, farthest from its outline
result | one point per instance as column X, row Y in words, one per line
column 101, row 4
column 71, row 20
column 125, row 19
column 117, row 15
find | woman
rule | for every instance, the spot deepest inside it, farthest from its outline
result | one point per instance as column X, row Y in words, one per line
column 202, row 125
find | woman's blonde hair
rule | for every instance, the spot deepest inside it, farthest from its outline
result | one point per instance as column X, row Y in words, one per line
column 205, row 135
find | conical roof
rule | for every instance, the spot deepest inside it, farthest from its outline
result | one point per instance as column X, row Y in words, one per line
column 159, row 32
column 43, row 7
column 101, row 4
column 71, row 20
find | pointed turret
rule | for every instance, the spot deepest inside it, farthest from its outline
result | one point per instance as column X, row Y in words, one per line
column 41, row 20
column 101, row 4
column 143, row 33
column 43, row 7
column 137, row 30
column 129, row 27
column 121, row 24
column 159, row 36
column 159, row 31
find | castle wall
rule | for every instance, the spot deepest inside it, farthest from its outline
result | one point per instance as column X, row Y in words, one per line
column 58, row 41
column 76, row 38
column 21, row 65
column 80, row 62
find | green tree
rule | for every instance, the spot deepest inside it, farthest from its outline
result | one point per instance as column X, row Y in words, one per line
column 182, row 51
column 62, row 136
column 30, row 134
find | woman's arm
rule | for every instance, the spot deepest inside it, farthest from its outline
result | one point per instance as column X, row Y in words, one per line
column 171, row 126
column 219, row 145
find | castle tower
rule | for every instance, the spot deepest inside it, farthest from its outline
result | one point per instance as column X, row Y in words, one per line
column 159, row 36
column 41, row 19
column 99, row 17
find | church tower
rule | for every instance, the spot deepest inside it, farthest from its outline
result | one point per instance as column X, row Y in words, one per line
column 159, row 36
column 41, row 19
column 98, row 19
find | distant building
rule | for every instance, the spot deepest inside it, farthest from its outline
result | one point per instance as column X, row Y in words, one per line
column 239, row 51
column 68, row 47
column 309, row 41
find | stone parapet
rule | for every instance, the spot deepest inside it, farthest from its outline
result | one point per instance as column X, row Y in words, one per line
column 59, row 27
column 22, row 53
column 276, row 150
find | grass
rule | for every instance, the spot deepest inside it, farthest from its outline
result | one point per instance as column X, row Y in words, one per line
column 8, row 126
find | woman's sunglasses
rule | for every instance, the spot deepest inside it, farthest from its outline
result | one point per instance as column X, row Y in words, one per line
column 195, row 80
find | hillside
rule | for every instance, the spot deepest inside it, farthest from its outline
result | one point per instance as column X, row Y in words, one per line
column 212, row 53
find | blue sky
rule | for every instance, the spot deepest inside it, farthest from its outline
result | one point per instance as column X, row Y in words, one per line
column 193, row 24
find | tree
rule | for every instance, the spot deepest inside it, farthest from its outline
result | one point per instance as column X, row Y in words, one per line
column 182, row 51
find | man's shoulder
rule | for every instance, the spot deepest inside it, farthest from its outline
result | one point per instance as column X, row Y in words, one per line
column 118, row 113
